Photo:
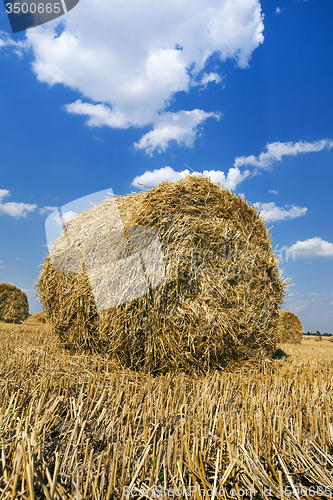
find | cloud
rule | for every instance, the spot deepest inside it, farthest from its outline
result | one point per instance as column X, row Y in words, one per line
column 99, row 114
column 12, row 208
column 271, row 212
column 278, row 10
column 65, row 216
column 6, row 42
column 312, row 248
column 276, row 150
column 3, row 193
column 273, row 191
column 47, row 209
column 297, row 307
column 1, row 266
column 231, row 180
column 152, row 178
column 181, row 127
column 130, row 59
column 309, row 301
column 16, row 209
column 210, row 77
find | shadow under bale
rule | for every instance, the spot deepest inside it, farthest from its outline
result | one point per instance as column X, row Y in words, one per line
column 214, row 303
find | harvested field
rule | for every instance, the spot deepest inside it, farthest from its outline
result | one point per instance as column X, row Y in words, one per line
column 75, row 426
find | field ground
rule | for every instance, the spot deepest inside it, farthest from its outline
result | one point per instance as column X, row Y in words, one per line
column 310, row 349
column 74, row 427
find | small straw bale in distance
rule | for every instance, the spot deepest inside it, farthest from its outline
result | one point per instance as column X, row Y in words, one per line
column 14, row 306
column 36, row 319
column 218, row 305
column 291, row 329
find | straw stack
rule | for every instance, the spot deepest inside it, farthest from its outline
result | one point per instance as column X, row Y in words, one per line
column 14, row 307
column 217, row 305
column 36, row 319
column 291, row 329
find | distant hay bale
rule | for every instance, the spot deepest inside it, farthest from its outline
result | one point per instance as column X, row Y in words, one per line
column 319, row 338
column 14, row 306
column 36, row 319
column 213, row 305
column 291, row 329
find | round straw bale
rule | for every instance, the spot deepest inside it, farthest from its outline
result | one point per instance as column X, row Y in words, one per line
column 36, row 319
column 291, row 329
column 217, row 304
column 14, row 307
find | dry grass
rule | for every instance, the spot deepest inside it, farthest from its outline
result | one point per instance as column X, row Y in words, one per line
column 75, row 427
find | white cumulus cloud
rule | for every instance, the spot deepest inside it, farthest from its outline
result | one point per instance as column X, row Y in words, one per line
column 13, row 208
column 3, row 193
column 65, row 216
column 210, row 77
column 7, row 42
column 152, row 178
column 271, row 212
column 276, row 150
column 181, row 127
column 312, row 248
column 297, row 307
column 47, row 209
column 16, row 209
column 130, row 59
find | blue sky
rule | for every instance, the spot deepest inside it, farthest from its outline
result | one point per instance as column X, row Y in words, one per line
column 115, row 93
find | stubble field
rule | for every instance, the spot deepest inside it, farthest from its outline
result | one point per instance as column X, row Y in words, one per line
column 75, row 427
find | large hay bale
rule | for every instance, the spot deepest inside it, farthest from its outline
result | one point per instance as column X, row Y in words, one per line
column 291, row 329
column 14, row 306
column 217, row 305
